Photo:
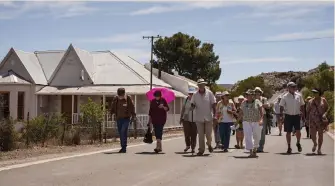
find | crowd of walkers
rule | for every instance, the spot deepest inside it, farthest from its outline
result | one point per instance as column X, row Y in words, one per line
column 249, row 117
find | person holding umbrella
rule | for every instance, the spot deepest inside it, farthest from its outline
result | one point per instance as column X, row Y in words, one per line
column 204, row 104
column 189, row 126
column 157, row 117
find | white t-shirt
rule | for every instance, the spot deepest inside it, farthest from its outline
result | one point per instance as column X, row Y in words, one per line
column 227, row 118
column 292, row 103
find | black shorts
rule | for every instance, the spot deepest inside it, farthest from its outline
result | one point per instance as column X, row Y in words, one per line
column 290, row 122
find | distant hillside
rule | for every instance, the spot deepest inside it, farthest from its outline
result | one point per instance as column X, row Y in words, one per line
column 278, row 80
column 226, row 86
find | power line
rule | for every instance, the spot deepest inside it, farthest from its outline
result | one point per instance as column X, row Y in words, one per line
column 270, row 41
column 151, row 58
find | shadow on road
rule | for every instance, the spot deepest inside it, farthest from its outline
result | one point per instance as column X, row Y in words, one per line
column 194, row 155
column 314, row 154
column 287, row 154
column 257, row 152
column 182, row 152
column 149, row 153
column 113, row 152
column 244, row 157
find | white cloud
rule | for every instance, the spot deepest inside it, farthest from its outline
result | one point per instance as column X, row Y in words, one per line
column 302, row 35
column 259, row 60
column 56, row 9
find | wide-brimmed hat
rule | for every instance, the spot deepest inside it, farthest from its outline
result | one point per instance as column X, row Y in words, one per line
column 218, row 93
column 250, row 92
column 258, row 89
column 291, row 84
column 201, row 82
column 241, row 97
column 308, row 98
column 225, row 93
column 315, row 90
column 192, row 90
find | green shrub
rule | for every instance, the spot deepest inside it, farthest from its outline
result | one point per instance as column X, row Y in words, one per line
column 329, row 95
column 7, row 135
column 72, row 137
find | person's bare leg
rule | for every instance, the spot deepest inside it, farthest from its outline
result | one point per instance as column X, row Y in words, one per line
column 313, row 135
column 242, row 138
column 288, row 140
column 320, row 141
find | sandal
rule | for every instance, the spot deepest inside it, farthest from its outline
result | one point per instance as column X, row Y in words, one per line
column 237, row 147
column 319, row 152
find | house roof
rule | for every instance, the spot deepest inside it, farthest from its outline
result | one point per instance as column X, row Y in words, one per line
column 98, row 90
column 12, row 78
column 104, row 68
column 49, row 60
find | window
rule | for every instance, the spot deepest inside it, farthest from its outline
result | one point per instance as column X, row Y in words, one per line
column 4, row 105
column 20, row 105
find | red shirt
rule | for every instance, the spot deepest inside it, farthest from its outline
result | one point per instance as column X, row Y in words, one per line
column 158, row 115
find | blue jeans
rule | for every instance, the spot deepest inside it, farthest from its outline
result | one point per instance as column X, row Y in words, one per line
column 122, row 127
column 225, row 132
column 262, row 140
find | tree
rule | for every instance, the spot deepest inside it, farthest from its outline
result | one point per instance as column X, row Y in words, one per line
column 186, row 55
column 251, row 83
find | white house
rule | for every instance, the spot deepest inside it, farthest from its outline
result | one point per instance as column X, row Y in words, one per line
column 59, row 81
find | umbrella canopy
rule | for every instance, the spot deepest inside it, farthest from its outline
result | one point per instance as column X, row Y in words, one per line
column 167, row 94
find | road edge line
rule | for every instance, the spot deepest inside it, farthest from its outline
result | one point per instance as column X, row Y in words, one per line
column 21, row 165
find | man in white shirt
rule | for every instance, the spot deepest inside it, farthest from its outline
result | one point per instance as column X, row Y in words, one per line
column 293, row 104
column 204, row 104
column 277, row 113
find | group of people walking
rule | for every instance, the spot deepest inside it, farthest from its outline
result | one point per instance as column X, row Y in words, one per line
column 204, row 113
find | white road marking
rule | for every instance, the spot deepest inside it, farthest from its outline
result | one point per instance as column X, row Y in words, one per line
column 71, row 156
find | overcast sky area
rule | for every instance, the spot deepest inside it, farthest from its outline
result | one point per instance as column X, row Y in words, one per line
column 250, row 37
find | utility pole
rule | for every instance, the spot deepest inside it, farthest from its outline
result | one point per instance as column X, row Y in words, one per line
column 152, row 54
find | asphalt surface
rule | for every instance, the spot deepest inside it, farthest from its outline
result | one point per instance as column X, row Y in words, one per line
column 141, row 167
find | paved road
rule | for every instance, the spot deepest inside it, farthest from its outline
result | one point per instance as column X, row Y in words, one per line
column 139, row 167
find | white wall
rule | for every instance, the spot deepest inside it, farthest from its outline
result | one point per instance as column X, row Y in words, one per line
column 29, row 99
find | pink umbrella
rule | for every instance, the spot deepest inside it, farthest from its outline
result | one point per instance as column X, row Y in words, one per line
column 167, row 94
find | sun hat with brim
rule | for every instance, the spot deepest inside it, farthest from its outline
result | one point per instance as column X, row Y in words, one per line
column 201, row 82
column 315, row 91
column 250, row 92
column 218, row 93
column 225, row 93
column 258, row 89
column 240, row 97
column 192, row 90
column 308, row 98
column 291, row 84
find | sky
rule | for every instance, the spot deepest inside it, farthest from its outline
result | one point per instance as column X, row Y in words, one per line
column 249, row 37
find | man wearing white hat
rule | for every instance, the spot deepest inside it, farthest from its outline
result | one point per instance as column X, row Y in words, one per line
column 293, row 104
column 204, row 104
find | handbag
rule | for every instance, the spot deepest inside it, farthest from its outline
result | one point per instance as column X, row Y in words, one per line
column 148, row 137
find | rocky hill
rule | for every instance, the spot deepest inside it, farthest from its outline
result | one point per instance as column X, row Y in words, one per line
column 277, row 80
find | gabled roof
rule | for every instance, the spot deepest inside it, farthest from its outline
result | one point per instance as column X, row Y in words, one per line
column 31, row 64
column 82, row 56
column 49, row 60
column 103, row 68
column 12, row 78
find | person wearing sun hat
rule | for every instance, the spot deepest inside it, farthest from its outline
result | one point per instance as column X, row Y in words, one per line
column 225, row 111
column 216, row 124
column 204, row 104
column 239, row 125
column 293, row 104
column 265, row 128
column 252, row 119
column 189, row 126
